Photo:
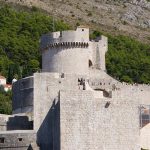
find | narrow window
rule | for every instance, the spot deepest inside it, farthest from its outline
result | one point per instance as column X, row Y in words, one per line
column 2, row 140
column 61, row 34
column 19, row 139
column 90, row 63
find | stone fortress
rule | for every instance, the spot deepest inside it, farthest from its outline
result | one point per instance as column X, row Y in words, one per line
column 73, row 104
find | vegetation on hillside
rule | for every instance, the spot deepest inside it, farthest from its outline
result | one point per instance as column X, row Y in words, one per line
column 5, row 102
column 127, row 59
column 20, row 32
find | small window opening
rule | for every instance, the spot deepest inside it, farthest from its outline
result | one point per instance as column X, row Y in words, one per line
column 2, row 140
column 105, row 93
column 20, row 139
column 90, row 63
column 62, row 75
column 60, row 33
column 107, row 104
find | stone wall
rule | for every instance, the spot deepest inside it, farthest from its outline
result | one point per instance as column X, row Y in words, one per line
column 80, row 35
column 3, row 122
column 71, row 51
column 23, row 95
column 46, row 106
column 17, row 140
column 16, row 122
column 73, row 119
column 145, row 137
column 98, row 113
column 87, row 123
column 124, row 89
column 66, row 60
column 19, row 122
column 97, row 51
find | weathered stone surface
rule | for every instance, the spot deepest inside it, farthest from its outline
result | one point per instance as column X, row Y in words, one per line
column 75, row 105
column 16, row 140
column 90, row 125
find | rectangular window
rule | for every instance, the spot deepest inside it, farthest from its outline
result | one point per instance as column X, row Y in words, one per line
column 20, row 139
column 2, row 140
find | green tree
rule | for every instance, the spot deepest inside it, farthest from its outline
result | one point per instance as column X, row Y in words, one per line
column 5, row 102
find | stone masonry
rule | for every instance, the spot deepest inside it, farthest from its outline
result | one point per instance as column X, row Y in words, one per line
column 73, row 104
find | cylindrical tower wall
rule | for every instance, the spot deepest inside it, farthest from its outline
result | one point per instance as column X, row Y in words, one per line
column 66, row 52
column 71, row 60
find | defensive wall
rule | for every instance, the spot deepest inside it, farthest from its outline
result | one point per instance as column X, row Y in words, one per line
column 145, row 138
column 18, row 140
column 74, row 117
column 23, row 95
column 23, row 89
column 74, row 104
column 16, row 122
column 72, row 52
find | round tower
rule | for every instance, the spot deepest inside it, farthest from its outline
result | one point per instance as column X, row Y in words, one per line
column 66, row 51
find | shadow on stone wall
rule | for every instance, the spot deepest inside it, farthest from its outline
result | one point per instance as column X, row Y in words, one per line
column 48, row 136
column 19, row 123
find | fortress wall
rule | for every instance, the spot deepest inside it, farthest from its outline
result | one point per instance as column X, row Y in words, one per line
column 97, row 52
column 23, row 95
column 19, row 122
column 3, row 122
column 144, row 97
column 80, row 35
column 16, row 99
column 11, row 140
column 44, row 102
column 144, row 137
column 46, row 106
column 15, row 122
column 47, row 88
column 123, row 89
column 135, row 90
column 71, row 60
column 101, row 84
column 74, row 48
column 92, row 53
column 75, row 36
column 46, row 39
column 86, row 123
column 103, row 47
column 66, row 51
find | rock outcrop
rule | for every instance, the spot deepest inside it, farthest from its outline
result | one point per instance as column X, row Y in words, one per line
column 129, row 17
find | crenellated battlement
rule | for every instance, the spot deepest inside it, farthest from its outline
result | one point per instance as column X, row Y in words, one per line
column 109, row 84
column 66, row 45
column 74, row 100
column 74, row 48
column 79, row 36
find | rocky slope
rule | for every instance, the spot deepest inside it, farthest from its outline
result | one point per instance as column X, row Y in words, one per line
column 130, row 17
